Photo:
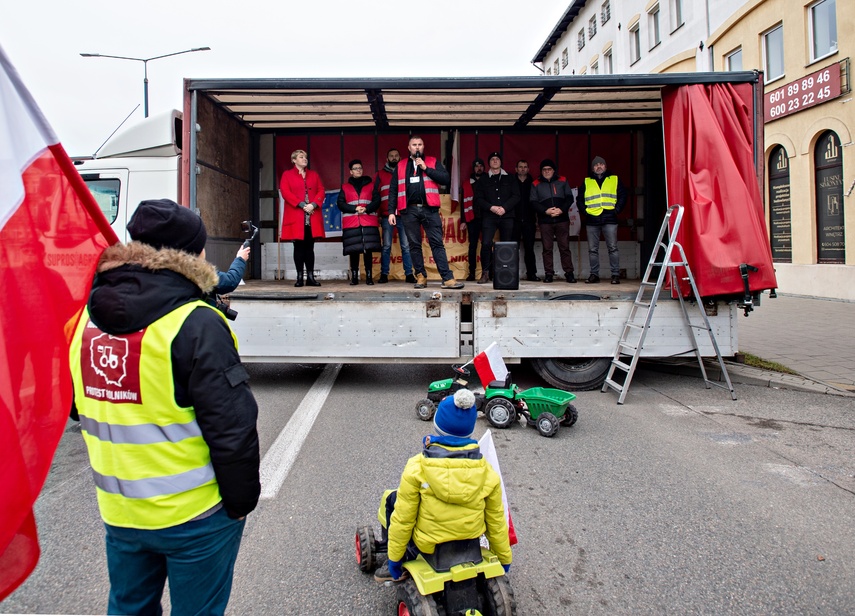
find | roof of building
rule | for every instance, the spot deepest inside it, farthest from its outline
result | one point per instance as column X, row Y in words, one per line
column 558, row 31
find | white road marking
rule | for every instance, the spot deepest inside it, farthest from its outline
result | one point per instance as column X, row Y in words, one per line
column 280, row 457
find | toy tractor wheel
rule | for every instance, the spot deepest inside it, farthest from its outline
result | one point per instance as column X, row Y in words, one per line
column 499, row 597
column 570, row 416
column 365, row 557
column 547, row 424
column 500, row 412
column 413, row 603
column 425, row 408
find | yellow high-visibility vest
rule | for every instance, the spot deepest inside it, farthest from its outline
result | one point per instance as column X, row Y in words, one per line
column 599, row 198
column 151, row 466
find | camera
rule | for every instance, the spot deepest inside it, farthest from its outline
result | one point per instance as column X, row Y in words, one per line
column 221, row 303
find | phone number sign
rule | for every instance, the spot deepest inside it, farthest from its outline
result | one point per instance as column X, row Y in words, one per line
column 818, row 87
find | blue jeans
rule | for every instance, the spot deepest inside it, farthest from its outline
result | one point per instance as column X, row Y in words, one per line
column 609, row 233
column 414, row 219
column 197, row 557
column 386, row 254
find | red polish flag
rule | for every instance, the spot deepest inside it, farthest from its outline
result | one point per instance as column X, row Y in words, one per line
column 490, row 366
column 488, row 450
column 51, row 234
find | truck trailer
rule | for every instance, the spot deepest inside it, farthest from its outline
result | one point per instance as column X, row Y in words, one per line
column 692, row 139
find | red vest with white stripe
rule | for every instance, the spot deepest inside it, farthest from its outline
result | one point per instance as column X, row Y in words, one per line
column 468, row 198
column 383, row 179
column 431, row 187
column 354, row 199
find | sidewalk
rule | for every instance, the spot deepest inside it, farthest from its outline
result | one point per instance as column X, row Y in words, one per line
column 814, row 337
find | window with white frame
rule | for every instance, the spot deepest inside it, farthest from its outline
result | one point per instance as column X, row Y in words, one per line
column 549, row 71
column 823, row 28
column 653, row 23
column 580, row 39
column 595, row 68
column 565, row 58
column 592, row 27
column 676, row 14
column 555, row 69
column 773, row 52
column 634, row 44
column 733, row 60
column 605, row 12
column 608, row 65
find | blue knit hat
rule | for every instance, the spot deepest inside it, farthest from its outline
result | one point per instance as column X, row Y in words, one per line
column 456, row 415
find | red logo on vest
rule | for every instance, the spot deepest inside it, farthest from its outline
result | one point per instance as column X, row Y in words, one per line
column 111, row 365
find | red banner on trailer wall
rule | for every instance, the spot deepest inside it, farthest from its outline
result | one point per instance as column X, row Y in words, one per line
column 710, row 172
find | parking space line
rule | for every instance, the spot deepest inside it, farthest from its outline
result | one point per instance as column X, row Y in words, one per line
column 280, row 457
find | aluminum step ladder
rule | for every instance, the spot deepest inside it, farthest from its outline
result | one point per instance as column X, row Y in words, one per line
column 635, row 329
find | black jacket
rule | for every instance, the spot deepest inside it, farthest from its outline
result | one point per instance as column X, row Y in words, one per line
column 498, row 189
column 523, row 211
column 135, row 285
column 608, row 217
column 546, row 194
column 359, row 239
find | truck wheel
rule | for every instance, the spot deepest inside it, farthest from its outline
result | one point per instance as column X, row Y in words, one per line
column 425, row 408
column 413, row 603
column 547, row 424
column 499, row 597
column 570, row 416
column 500, row 413
column 573, row 373
column 365, row 549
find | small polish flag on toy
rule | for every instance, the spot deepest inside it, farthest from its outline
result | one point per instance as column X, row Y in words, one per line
column 490, row 366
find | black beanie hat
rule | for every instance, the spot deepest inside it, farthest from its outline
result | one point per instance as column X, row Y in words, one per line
column 162, row 223
column 548, row 162
column 477, row 161
column 494, row 155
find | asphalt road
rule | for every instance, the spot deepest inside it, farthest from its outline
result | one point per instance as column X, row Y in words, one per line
column 680, row 501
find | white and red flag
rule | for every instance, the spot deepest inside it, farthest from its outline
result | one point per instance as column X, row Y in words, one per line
column 51, row 234
column 455, row 170
column 490, row 366
column 488, row 450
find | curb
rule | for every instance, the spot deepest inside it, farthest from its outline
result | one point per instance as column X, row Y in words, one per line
column 747, row 375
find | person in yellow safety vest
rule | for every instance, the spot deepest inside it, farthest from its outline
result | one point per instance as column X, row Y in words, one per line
column 167, row 416
column 601, row 196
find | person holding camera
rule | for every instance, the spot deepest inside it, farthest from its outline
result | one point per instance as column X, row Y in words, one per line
column 167, row 416
column 302, row 220
column 229, row 281
column 360, row 231
column 415, row 183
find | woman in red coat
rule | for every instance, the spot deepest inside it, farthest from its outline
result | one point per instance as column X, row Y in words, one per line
column 302, row 220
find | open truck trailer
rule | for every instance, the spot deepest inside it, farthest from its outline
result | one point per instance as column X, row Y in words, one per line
column 693, row 139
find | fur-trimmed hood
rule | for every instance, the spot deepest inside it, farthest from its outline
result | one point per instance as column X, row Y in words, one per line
column 136, row 284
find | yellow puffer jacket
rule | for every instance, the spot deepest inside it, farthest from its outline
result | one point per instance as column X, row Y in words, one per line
column 448, row 492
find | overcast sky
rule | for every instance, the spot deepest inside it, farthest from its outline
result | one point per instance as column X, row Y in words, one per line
column 84, row 99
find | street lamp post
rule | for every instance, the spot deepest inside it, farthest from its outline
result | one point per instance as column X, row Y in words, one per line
column 145, row 62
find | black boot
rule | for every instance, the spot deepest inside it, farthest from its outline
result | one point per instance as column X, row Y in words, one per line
column 354, row 277
column 368, row 277
column 299, row 282
column 310, row 279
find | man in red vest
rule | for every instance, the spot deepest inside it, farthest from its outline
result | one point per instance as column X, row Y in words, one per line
column 382, row 183
column 414, row 194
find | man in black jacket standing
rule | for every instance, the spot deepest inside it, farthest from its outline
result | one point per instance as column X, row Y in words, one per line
column 168, row 418
column 496, row 196
column 525, row 225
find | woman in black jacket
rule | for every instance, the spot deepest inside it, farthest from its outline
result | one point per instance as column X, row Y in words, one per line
column 360, row 230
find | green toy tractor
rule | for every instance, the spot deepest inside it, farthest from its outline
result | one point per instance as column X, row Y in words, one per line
column 542, row 407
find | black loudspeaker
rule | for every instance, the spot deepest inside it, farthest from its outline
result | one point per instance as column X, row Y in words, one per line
column 506, row 260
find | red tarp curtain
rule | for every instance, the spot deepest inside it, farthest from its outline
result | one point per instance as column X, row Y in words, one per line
column 709, row 145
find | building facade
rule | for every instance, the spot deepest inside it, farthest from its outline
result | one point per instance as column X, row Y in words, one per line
column 809, row 183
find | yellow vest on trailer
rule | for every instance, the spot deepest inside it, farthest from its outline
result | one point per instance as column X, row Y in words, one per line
column 599, row 198
column 151, row 466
